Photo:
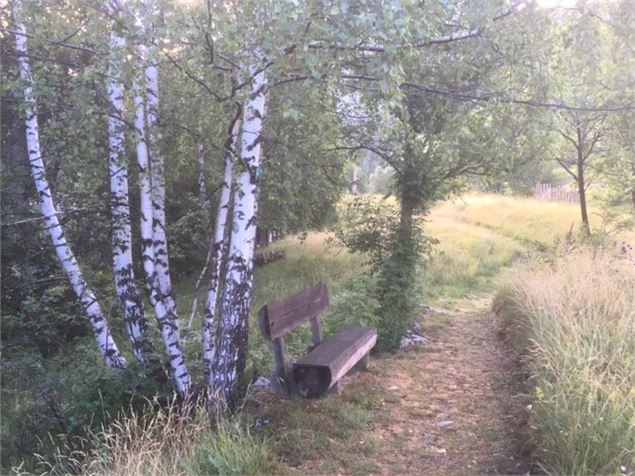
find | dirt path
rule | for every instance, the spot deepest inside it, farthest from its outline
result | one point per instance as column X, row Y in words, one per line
column 443, row 407
column 454, row 409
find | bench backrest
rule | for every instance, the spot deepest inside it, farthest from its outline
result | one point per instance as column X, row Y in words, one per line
column 280, row 317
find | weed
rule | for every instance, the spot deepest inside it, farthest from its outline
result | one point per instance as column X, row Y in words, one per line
column 231, row 449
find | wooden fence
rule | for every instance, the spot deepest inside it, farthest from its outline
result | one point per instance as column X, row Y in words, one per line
column 556, row 193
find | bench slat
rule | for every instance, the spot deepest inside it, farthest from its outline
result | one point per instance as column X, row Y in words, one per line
column 278, row 318
column 315, row 373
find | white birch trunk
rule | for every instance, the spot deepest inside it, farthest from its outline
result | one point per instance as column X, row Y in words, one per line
column 159, row 225
column 129, row 296
column 236, row 298
column 354, row 183
column 157, row 175
column 105, row 342
column 164, row 315
column 218, row 250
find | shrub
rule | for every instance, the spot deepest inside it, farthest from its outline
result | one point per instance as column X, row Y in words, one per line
column 356, row 304
column 372, row 226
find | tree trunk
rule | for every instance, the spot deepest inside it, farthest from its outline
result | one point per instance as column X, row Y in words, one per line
column 164, row 314
column 236, row 298
column 200, row 156
column 105, row 341
column 397, row 273
column 581, row 182
column 157, row 176
column 354, row 182
column 218, row 250
column 152, row 184
column 129, row 296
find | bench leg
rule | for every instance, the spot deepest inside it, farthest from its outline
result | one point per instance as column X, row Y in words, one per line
column 365, row 362
column 283, row 370
column 337, row 388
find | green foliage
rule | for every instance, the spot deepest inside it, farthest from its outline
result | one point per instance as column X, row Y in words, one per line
column 59, row 401
column 356, row 304
column 302, row 181
column 400, row 296
column 374, row 228
column 367, row 225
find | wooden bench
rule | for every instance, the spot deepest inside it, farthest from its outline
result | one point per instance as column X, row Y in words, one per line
column 327, row 361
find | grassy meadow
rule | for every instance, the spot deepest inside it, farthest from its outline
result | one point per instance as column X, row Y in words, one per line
column 574, row 318
column 532, row 222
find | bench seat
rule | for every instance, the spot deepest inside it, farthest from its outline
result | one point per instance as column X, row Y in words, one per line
column 323, row 367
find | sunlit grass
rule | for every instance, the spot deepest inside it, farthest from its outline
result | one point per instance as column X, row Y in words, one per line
column 465, row 258
column 524, row 219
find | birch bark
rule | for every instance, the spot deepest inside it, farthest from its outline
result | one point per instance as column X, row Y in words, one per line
column 157, row 165
column 166, row 318
column 229, row 362
column 218, row 251
column 157, row 176
column 129, row 296
column 105, row 342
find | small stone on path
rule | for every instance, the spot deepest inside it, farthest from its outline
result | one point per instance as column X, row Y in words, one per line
column 445, row 423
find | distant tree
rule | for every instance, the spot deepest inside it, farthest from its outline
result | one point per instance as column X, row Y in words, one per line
column 585, row 74
column 381, row 180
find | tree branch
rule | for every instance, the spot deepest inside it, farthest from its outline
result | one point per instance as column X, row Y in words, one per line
column 567, row 169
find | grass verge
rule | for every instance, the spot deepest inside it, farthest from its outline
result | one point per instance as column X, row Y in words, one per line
column 575, row 317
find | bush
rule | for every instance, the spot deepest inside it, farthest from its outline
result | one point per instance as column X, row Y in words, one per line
column 576, row 319
column 372, row 227
column 356, row 304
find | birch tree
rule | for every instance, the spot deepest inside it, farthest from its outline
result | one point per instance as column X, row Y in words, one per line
column 165, row 317
column 129, row 296
column 152, row 199
column 157, row 163
column 230, row 355
column 157, row 181
column 218, row 249
column 105, row 342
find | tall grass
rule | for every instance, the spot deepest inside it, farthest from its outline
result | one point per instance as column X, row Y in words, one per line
column 170, row 440
column 576, row 319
